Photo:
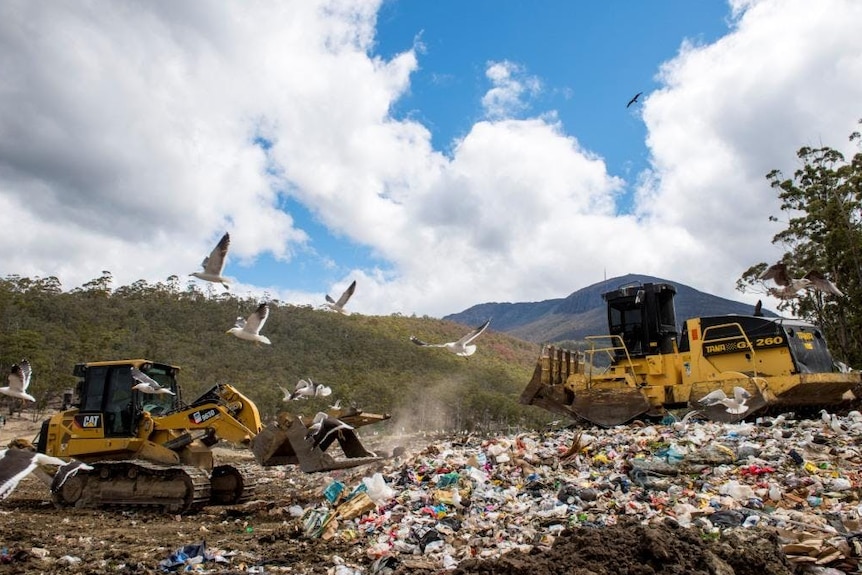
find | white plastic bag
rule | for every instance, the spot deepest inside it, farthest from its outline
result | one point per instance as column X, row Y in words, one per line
column 377, row 489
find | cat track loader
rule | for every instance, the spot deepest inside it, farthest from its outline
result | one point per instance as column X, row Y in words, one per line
column 645, row 366
column 152, row 450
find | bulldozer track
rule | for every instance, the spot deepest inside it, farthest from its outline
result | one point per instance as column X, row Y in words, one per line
column 137, row 484
column 231, row 486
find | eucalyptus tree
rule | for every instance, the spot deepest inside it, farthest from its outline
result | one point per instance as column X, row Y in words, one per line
column 823, row 204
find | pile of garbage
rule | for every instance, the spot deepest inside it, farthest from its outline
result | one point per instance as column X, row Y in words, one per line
column 471, row 497
column 776, row 496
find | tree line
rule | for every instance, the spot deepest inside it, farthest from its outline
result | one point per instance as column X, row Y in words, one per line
column 822, row 202
column 368, row 361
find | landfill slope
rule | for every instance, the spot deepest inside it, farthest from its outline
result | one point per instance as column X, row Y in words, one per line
column 777, row 497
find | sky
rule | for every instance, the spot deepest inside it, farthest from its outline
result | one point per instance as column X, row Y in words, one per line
column 442, row 154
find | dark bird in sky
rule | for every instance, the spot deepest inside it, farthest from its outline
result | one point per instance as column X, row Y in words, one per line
column 634, row 99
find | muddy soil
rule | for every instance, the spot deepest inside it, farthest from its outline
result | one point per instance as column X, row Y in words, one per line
column 634, row 549
column 263, row 536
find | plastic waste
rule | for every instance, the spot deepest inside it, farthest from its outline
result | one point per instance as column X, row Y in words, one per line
column 671, row 454
column 736, row 490
column 568, row 494
column 477, row 475
column 839, row 484
column 295, row 510
column 425, row 535
column 385, row 565
column 333, row 491
column 192, row 554
column 377, row 489
column 727, row 518
column 314, row 521
column 796, row 457
column 447, row 479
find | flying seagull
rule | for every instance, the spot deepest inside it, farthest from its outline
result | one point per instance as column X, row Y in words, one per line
column 66, row 471
column 249, row 329
column 736, row 404
column 634, row 99
column 462, row 347
column 147, row 384
column 213, row 264
column 19, row 381
column 323, row 426
column 342, row 301
column 16, row 464
column 822, row 283
column 790, row 287
column 306, row 388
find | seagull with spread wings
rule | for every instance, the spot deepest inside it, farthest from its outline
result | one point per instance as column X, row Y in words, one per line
column 147, row 384
column 249, row 329
column 16, row 464
column 463, row 347
column 736, row 404
column 821, row 283
column 213, row 264
column 634, row 99
column 789, row 287
column 19, row 381
column 342, row 301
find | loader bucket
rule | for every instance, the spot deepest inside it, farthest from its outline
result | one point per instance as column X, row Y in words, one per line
column 609, row 403
column 546, row 389
column 285, row 443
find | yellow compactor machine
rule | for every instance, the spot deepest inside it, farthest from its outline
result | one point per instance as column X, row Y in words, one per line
column 154, row 450
column 646, row 365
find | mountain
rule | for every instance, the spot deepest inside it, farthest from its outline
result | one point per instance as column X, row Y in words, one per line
column 584, row 313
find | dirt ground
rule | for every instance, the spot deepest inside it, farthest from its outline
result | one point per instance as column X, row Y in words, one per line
column 263, row 536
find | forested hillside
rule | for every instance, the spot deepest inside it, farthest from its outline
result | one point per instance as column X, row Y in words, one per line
column 367, row 360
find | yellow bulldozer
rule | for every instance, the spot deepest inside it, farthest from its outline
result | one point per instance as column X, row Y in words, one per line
column 154, row 450
column 647, row 366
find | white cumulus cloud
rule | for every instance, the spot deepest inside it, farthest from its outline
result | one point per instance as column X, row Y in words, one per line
column 132, row 135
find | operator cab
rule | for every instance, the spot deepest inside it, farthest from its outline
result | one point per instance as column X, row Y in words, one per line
column 644, row 317
column 106, row 389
